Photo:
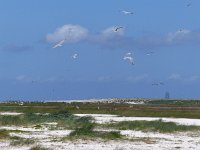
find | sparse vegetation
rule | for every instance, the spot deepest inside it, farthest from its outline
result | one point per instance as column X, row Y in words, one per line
column 35, row 119
column 151, row 108
column 38, row 148
column 92, row 135
column 84, row 129
column 4, row 134
column 146, row 140
column 18, row 141
column 158, row 126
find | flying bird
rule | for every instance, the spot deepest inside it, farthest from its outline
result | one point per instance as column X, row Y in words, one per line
column 75, row 56
column 59, row 44
column 128, row 54
column 149, row 53
column 127, row 12
column 118, row 28
column 128, row 57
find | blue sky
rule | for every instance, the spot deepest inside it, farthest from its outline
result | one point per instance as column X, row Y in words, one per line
column 30, row 69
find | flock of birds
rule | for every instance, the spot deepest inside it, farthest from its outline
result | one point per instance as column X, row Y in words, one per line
column 128, row 56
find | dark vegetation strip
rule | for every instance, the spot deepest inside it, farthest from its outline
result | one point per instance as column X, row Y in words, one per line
column 39, row 148
column 86, row 131
column 4, row 134
column 156, row 108
column 63, row 118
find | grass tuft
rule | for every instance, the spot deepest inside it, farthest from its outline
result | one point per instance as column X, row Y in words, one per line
column 4, row 134
column 38, row 148
column 18, row 141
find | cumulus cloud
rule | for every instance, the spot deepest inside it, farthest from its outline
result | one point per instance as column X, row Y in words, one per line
column 110, row 32
column 109, row 38
column 178, row 37
column 112, row 39
column 175, row 38
column 72, row 33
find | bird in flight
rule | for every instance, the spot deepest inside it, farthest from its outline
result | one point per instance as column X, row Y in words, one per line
column 59, row 44
column 149, row 53
column 127, row 12
column 118, row 28
column 128, row 57
column 75, row 56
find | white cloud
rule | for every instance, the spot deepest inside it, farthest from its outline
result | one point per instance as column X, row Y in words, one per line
column 174, row 76
column 72, row 33
column 109, row 38
column 178, row 35
column 111, row 33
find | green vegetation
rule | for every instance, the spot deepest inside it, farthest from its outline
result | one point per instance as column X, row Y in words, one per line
column 33, row 119
column 91, row 135
column 64, row 120
column 84, row 129
column 38, row 148
column 151, row 108
column 4, row 134
column 190, row 103
column 18, row 141
column 158, row 126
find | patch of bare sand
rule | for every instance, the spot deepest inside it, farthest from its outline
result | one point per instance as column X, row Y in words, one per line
column 106, row 118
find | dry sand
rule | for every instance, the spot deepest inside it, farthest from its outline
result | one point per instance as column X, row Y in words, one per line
column 104, row 118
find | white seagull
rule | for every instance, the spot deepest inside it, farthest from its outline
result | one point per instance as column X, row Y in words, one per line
column 128, row 57
column 75, row 56
column 59, row 44
column 127, row 12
